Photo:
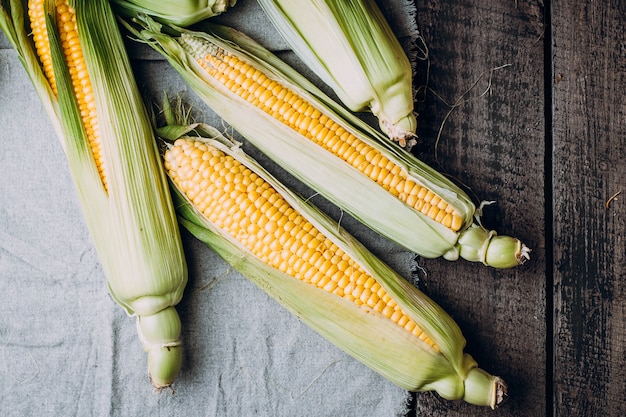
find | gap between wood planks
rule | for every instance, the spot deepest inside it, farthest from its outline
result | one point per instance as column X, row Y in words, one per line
column 549, row 204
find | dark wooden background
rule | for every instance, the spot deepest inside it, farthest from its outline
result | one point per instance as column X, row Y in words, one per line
column 523, row 102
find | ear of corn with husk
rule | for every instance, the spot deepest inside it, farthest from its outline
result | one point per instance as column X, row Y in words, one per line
column 316, row 270
column 109, row 143
column 179, row 12
column 351, row 47
column 328, row 148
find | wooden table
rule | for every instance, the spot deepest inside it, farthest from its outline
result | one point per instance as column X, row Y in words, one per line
column 523, row 102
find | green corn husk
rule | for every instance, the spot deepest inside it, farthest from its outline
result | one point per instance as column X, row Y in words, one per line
column 335, row 179
column 350, row 46
column 133, row 225
column 179, row 12
column 365, row 334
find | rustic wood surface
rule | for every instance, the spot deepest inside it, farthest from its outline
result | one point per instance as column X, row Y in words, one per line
column 523, row 103
column 588, row 142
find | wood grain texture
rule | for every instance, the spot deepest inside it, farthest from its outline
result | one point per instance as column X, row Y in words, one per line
column 482, row 122
column 589, row 149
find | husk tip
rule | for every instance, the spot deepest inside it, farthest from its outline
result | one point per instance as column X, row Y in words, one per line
column 402, row 132
column 501, row 392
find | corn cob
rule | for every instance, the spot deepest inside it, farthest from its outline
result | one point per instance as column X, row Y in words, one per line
column 316, row 270
column 350, row 46
column 178, row 12
column 78, row 65
column 329, row 149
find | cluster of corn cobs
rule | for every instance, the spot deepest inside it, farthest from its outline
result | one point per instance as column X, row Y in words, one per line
column 263, row 229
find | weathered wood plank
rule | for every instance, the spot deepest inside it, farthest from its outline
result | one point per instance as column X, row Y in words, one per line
column 488, row 57
column 589, row 151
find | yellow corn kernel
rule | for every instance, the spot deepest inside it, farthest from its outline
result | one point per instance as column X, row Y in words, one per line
column 308, row 256
column 301, row 116
column 66, row 20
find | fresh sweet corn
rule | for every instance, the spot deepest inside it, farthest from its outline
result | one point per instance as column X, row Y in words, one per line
column 78, row 65
column 319, row 272
column 328, row 148
column 179, row 12
column 350, row 46
column 246, row 207
column 287, row 106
